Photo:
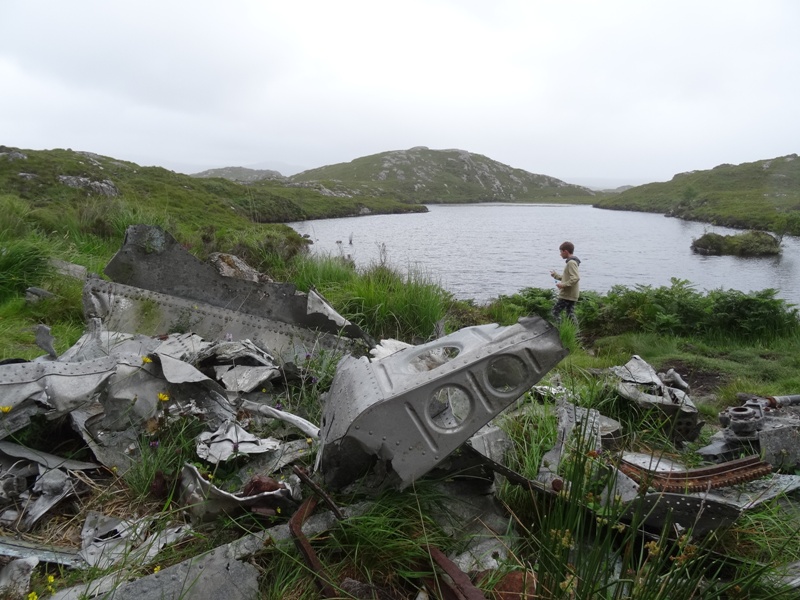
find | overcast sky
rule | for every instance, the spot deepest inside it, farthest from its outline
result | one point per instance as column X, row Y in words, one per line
column 624, row 91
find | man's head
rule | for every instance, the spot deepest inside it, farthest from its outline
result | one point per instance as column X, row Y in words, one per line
column 567, row 248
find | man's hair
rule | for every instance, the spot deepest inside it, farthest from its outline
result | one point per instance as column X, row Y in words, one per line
column 568, row 246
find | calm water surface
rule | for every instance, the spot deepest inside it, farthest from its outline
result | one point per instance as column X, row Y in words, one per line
column 480, row 251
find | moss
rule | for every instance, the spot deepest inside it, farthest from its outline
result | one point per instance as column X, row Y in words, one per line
column 750, row 243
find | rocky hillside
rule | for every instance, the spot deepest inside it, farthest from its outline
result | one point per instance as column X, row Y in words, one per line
column 71, row 178
column 764, row 194
column 422, row 175
column 241, row 174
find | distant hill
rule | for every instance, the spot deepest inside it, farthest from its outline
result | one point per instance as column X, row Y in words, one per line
column 759, row 195
column 421, row 175
column 241, row 174
column 72, row 178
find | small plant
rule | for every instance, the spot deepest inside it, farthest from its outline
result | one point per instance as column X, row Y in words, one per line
column 162, row 454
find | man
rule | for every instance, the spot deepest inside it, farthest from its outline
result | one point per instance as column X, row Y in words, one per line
column 568, row 291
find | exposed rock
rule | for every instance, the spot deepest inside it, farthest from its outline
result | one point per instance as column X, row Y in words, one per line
column 11, row 154
column 104, row 188
column 229, row 265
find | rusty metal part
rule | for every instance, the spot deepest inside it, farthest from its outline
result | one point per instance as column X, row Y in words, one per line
column 304, row 547
column 779, row 401
column 461, row 583
column 699, row 480
column 511, row 475
column 318, row 491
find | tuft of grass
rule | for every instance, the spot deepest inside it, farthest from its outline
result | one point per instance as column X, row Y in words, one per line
column 583, row 547
column 162, row 455
column 24, row 262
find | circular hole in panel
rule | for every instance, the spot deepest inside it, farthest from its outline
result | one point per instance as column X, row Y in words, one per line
column 449, row 406
column 433, row 359
column 506, row 373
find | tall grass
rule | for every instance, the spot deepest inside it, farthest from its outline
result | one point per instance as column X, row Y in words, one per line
column 24, row 262
column 584, row 547
column 380, row 299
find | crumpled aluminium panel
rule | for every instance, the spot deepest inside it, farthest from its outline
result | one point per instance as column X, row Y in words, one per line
column 413, row 408
column 134, row 310
column 640, row 383
column 151, row 259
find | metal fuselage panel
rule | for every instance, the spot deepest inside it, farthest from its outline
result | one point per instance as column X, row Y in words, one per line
column 395, row 410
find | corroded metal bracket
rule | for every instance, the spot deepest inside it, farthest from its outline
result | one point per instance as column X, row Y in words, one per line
column 411, row 409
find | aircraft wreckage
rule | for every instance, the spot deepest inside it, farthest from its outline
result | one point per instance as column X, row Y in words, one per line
column 169, row 336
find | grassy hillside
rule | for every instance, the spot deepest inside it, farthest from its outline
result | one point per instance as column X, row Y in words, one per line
column 422, row 175
column 760, row 195
column 67, row 177
column 240, row 174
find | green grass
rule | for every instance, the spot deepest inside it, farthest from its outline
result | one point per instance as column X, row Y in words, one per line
column 750, row 243
column 728, row 341
column 155, row 472
column 760, row 195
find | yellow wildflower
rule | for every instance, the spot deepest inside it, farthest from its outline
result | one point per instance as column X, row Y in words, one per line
column 652, row 548
column 309, row 441
column 146, row 359
column 50, row 579
column 278, row 510
column 163, row 396
column 33, row 596
column 5, row 409
column 156, row 569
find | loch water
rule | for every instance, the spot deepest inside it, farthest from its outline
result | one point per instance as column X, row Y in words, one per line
column 481, row 251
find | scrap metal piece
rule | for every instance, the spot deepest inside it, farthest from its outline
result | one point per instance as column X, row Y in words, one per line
column 52, row 388
column 305, row 478
column 698, row 480
column 44, row 339
column 51, row 461
column 273, row 461
column 461, row 583
column 746, row 496
column 204, row 500
column 393, row 410
column 52, row 486
column 58, row 555
column 766, row 425
column 151, row 259
column 209, row 576
column 685, row 511
column 107, row 540
column 639, row 383
column 241, row 366
column 580, row 428
column 306, row 427
column 231, row 439
column 322, row 578
column 15, row 577
column 134, row 310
